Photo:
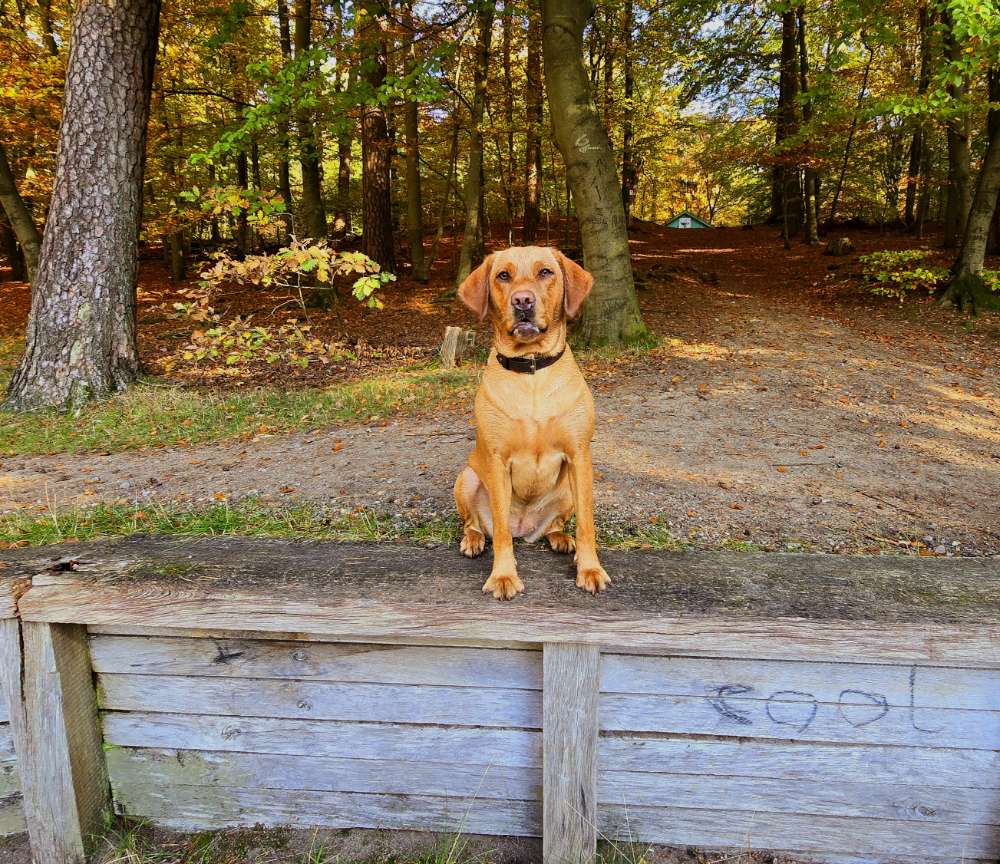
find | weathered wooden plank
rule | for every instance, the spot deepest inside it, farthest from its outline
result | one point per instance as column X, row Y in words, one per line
column 885, row 609
column 58, row 743
column 129, row 767
column 569, row 765
column 193, row 808
column 318, row 661
column 507, row 747
column 839, row 683
column 376, row 703
column 800, row 716
column 802, row 761
column 11, row 588
column 11, row 816
column 679, row 826
column 919, row 803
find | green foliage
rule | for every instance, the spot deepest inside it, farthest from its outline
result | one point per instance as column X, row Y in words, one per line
column 897, row 273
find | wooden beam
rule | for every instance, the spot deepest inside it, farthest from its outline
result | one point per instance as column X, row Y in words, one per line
column 570, row 700
column 796, row 607
column 58, row 743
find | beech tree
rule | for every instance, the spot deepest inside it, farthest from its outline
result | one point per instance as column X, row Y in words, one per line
column 81, row 339
column 611, row 313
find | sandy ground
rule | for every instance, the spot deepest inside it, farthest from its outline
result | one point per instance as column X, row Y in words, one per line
column 766, row 417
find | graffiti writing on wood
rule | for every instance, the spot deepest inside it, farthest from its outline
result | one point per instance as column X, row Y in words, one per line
column 798, row 710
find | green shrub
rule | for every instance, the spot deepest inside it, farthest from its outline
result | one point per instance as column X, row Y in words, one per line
column 895, row 273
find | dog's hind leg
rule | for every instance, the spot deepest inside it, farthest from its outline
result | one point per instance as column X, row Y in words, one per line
column 473, row 503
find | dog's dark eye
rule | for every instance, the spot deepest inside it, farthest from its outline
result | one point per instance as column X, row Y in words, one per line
column 545, row 272
column 503, row 275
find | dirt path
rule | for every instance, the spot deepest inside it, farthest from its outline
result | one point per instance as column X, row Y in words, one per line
column 765, row 419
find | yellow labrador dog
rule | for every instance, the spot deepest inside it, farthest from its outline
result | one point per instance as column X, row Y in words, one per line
column 531, row 467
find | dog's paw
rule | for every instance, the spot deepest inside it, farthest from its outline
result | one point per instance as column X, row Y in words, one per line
column 592, row 579
column 503, row 587
column 473, row 543
column 560, row 541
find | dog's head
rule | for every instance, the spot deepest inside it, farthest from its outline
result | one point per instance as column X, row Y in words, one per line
column 529, row 292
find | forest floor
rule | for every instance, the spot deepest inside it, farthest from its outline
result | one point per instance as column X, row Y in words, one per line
column 786, row 408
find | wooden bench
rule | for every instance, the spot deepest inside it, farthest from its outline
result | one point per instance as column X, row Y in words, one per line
column 832, row 708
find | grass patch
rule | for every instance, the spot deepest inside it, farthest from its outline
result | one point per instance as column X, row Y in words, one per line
column 150, row 415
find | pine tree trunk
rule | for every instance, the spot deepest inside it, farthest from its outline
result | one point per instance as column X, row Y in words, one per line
column 19, row 217
column 376, row 145
column 473, row 237
column 630, row 174
column 313, row 221
column 611, row 313
column 533, row 133
column 81, row 339
column 284, row 169
column 959, row 130
column 811, row 192
column 411, row 135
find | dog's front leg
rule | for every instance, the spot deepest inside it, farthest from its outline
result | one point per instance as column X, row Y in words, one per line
column 590, row 575
column 503, row 583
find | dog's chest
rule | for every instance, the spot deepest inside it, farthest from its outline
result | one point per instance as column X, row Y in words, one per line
column 534, row 472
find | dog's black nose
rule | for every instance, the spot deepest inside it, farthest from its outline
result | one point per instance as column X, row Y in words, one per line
column 524, row 305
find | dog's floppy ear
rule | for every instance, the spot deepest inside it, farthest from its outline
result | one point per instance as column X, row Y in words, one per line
column 474, row 292
column 577, row 283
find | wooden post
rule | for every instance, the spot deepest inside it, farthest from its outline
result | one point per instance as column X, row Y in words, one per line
column 58, row 742
column 450, row 348
column 570, row 702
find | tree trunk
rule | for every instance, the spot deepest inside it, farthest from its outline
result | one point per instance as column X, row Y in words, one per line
column 917, row 142
column 967, row 287
column 811, row 192
column 48, row 33
column 19, row 217
column 81, row 339
column 376, row 145
column 313, row 222
column 611, row 313
column 509, row 170
column 411, row 135
column 786, row 181
column 12, row 250
column 242, row 220
column 959, row 131
column 630, row 174
column 533, row 133
column 284, row 169
column 473, row 237
column 850, row 136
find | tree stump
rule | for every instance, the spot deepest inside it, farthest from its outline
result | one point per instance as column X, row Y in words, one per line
column 458, row 343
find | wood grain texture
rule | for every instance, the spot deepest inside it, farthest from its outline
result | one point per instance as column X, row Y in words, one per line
column 799, row 716
column 864, row 800
column 510, row 748
column 58, row 743
column 129, row 766
column 197, row 808
column 11, row 588
column 801, row 761
column 318, row 661
column 322, row 700
column 11, row 809
column 838, row 683
column 827, row 608
column 677, row 826
column 569, row 765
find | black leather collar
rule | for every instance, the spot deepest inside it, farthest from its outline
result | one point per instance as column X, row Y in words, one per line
column 528, row 365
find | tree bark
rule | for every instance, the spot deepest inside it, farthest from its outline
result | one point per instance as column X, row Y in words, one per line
column 786, row 181
column 967, row 287
column 376, row 145
column 811, row 190
column 313, row 221
column 533, row 133
column 81, row 339
column 630, row 172
column 509, row 170
column 284, row 169
column 48, row 33
column 959, row 130
column 611, row 313
column 19, row 217
column 472, row 239
column 917, row 142
column 411, row 135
